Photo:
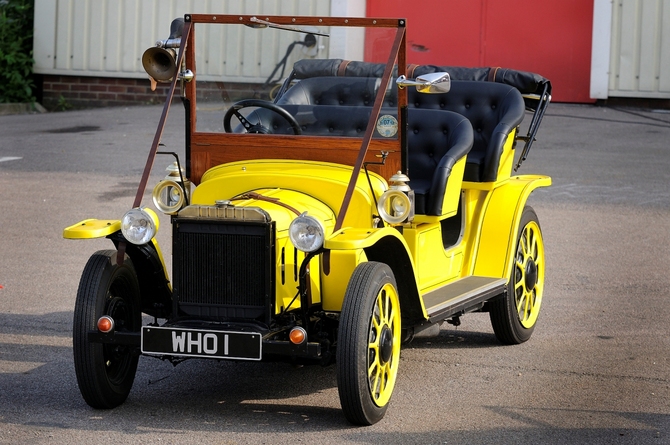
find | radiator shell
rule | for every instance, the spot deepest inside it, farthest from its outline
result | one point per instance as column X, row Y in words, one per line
column 224, row 269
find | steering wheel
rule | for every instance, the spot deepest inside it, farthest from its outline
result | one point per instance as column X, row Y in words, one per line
column 257, row 128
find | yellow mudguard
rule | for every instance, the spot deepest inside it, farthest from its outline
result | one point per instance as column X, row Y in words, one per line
column 501, row 224
column 92, row 228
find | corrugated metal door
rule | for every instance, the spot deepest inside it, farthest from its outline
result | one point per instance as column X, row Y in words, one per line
column 640, row 51
column 106, row 38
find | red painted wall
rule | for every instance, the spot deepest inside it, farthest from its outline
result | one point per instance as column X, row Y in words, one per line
column 549, row 37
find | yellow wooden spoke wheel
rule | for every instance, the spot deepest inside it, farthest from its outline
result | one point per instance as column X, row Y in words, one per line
column 368, row 343
column 514, row 315
column 529, row 274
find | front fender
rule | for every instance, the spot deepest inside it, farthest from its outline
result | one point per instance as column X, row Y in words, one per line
column 92, row 228
column 385, row 245
column 359, row 238
column 155, row 289
column 497, row 241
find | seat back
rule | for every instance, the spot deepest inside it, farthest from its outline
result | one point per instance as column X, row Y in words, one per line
column 494, row 109
column 344, row 91
column 436, row 140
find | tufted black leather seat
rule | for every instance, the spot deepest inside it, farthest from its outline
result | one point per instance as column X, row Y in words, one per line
column 436, row 140
column 346, row 91
column 493, row 109
column 332, row 91
column 315, row 120
column 325, row 106
column 329, row 105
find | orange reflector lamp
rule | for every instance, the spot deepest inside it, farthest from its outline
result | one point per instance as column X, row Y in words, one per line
column 105, row 324
column 297, row 335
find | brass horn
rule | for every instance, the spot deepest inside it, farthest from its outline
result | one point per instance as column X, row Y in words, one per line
column 160, row 61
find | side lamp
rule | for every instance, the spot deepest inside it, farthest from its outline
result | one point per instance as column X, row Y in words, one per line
column 396, row 205
column 171, row 194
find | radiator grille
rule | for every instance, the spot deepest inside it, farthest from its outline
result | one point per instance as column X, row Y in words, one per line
column 223, row 269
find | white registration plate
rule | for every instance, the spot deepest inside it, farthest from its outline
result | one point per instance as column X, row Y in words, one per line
column 201, row 343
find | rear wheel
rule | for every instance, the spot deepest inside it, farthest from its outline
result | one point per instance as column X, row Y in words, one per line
column 514, row 316
column 105, row 372
column 368, row 351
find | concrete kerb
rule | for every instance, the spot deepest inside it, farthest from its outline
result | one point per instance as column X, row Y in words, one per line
column 21, row 108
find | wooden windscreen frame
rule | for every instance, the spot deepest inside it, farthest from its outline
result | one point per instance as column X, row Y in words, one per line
column 205, row 150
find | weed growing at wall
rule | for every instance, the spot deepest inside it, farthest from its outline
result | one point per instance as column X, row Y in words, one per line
column 16, row 41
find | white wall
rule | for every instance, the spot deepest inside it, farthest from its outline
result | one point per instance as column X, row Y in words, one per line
column 630, row 45
column 346, row 43
column 600, row 48
column 106, row 38
column 640, row 49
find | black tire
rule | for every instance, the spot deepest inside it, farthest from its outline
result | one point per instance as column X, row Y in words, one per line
column 514, row 315
column 368, row 343
column 105, row 372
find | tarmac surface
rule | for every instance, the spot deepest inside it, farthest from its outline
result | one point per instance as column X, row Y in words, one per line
column 596, row 371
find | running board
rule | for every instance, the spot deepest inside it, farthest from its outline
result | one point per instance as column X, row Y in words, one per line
column 461, row 295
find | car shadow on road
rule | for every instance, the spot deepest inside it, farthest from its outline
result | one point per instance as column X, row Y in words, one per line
column 239, row 394
column 450, row 338
column 39, row 389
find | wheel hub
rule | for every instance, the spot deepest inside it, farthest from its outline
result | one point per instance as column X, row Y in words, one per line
column 531, row 274
column 385, row 345
column 258, row 129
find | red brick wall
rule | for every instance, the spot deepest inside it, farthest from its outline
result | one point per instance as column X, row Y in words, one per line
column 87, row 92
column 65, row 92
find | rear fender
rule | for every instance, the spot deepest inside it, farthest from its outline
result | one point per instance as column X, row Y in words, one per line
column 384, row 245
column 497, row 241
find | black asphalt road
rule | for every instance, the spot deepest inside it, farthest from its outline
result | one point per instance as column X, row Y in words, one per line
column 596, row 370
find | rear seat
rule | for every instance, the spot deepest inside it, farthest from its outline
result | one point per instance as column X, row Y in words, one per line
column 344, row 91
column 494, row 109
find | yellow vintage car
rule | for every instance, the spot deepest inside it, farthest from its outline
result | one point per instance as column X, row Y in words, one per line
column 326, row 214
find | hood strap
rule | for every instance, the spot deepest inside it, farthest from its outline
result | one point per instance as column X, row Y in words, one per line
column 259, row 197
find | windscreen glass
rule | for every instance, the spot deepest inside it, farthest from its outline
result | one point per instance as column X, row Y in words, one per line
column 265, row 80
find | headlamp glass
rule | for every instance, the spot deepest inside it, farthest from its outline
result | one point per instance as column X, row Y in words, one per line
column 306, row 233
column 139, row 225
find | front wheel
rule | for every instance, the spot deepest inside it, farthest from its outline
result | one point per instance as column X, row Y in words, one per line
column 514, row 316
column 105, row 372
column 368, row 343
